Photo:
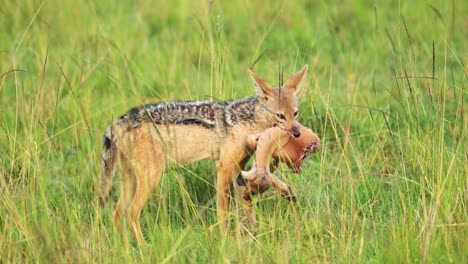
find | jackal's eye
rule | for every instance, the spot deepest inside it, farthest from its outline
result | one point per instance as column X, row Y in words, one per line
column 281, row 116
column 296, row 113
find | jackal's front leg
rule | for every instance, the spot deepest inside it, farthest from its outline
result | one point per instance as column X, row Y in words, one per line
column 228, row 167
column 223, row 183
column 244, row 196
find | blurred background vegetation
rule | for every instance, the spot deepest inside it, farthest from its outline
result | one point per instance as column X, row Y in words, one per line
column 386, row 92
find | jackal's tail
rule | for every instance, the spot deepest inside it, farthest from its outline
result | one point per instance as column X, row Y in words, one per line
column 109, row 164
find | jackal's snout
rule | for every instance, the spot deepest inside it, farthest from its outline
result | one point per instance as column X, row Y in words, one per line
column 296, row 132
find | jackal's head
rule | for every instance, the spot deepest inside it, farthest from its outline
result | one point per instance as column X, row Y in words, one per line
column 278, row 105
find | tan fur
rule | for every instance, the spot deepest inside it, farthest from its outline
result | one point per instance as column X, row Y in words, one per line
column 279, row 144
column 145, row 150
column 294, row 152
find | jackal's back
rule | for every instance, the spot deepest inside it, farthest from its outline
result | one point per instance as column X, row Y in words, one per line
column 210, row 115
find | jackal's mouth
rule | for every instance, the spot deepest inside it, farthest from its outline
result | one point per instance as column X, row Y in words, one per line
column 279, row 126
column 289, row 131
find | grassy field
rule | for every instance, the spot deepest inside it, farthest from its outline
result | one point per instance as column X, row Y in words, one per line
column 386, row 91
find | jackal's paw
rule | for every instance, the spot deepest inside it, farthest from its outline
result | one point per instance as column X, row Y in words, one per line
column 289, row 195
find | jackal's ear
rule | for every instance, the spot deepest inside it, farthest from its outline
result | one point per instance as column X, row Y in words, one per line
column 294, row 83
column 262, row 87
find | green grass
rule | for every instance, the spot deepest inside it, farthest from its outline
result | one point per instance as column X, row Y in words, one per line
column 386, row 92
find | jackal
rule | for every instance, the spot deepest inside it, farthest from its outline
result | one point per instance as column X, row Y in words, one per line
column 153, row 137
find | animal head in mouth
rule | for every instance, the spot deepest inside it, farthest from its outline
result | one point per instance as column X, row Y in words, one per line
column 297, row 149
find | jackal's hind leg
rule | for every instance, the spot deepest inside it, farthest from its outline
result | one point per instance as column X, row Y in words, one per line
column 127, row 193
column 146, row 181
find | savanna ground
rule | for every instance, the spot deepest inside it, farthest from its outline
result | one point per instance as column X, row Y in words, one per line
column 386, row 92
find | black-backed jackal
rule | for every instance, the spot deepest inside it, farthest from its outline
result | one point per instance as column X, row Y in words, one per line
column 153, row 137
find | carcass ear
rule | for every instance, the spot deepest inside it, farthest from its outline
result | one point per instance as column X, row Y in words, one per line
column 294, row 83
column 262, row 88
